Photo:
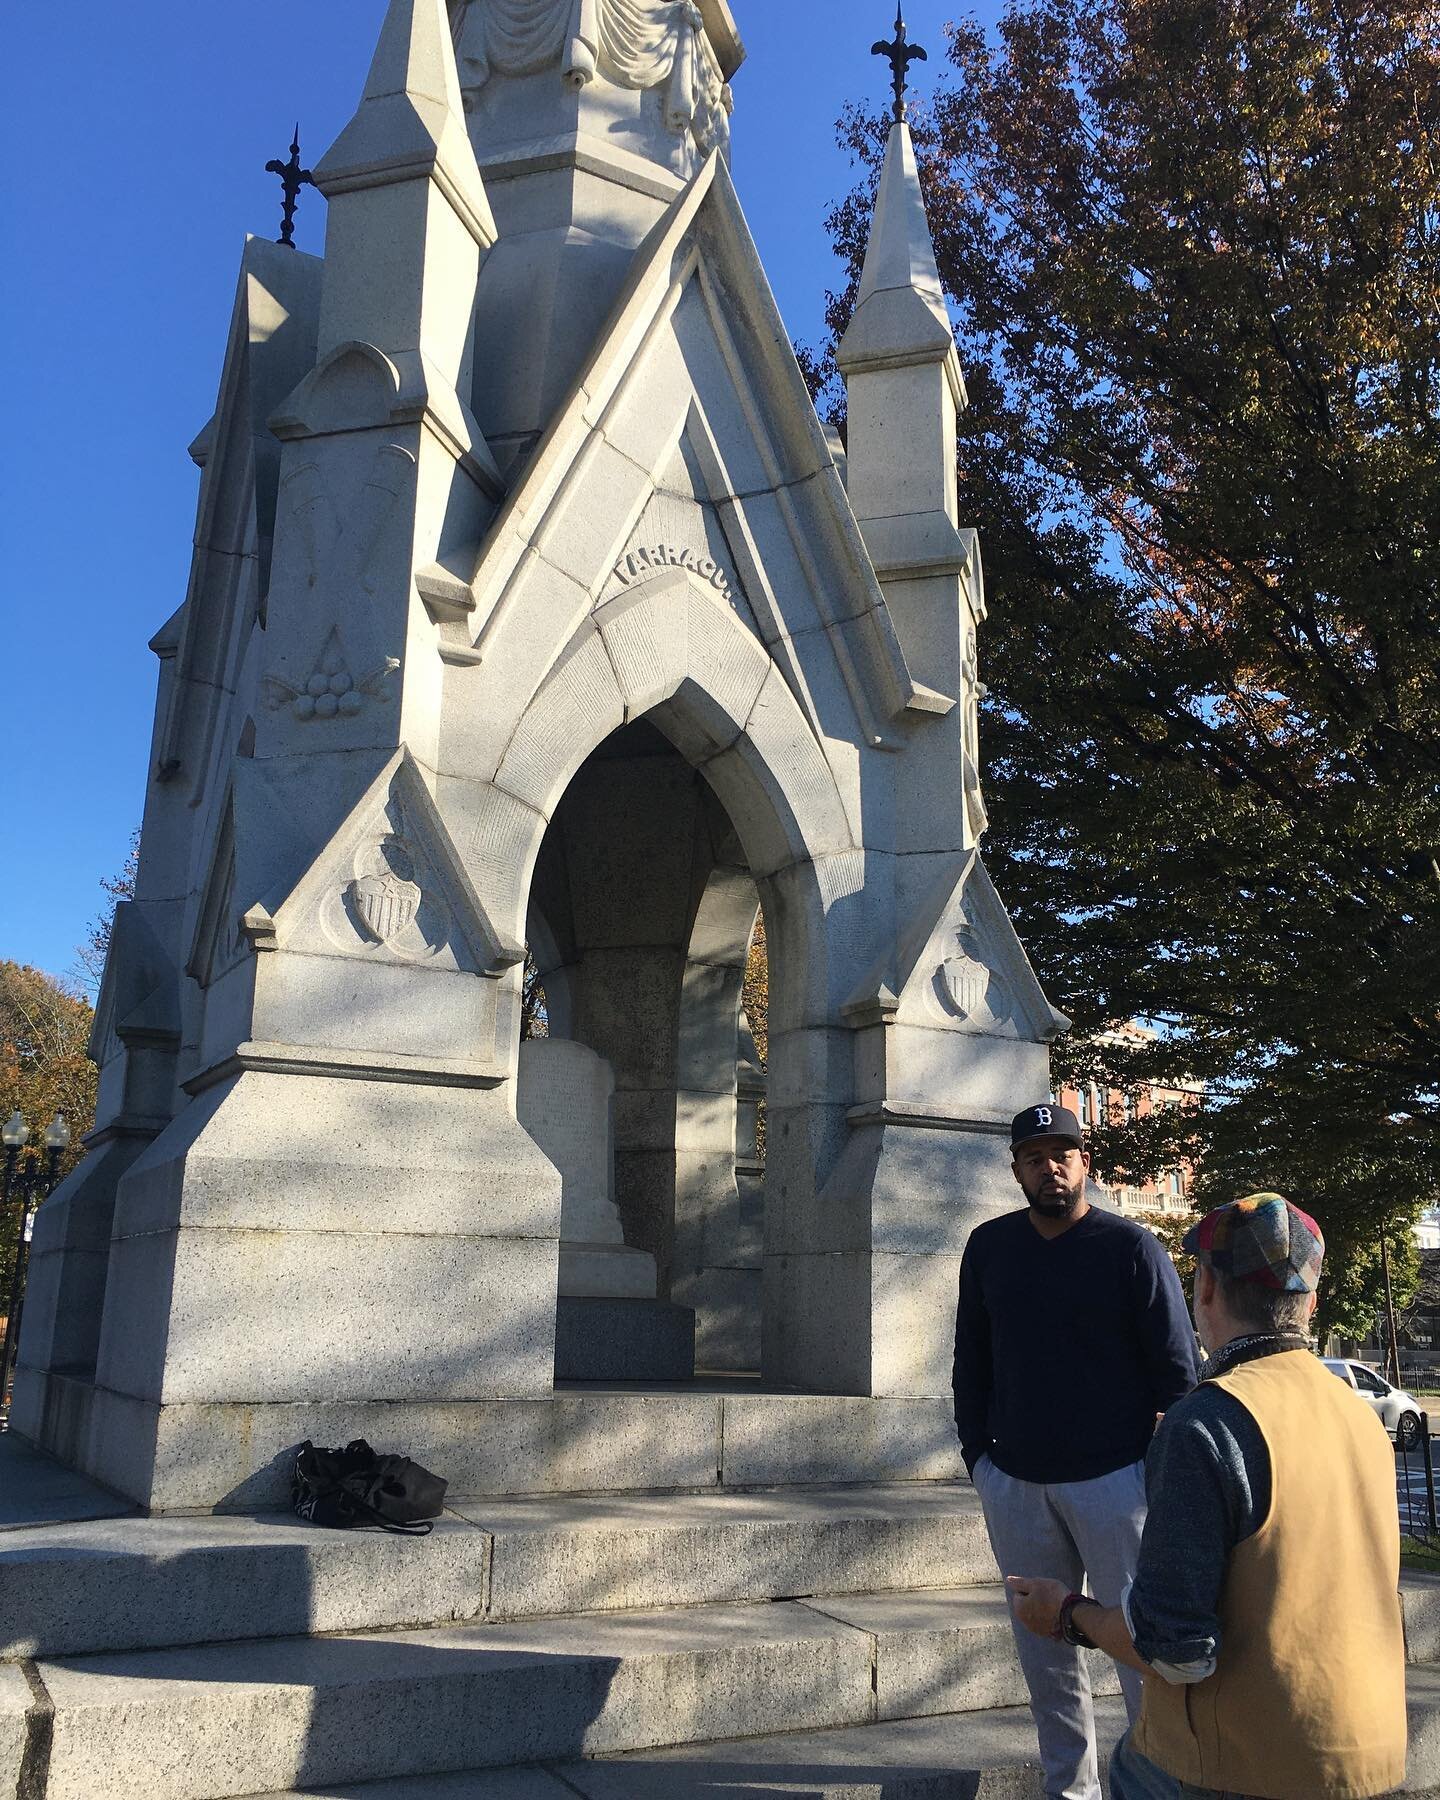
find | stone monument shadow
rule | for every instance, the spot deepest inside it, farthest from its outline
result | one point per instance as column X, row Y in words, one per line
column 719, row 1778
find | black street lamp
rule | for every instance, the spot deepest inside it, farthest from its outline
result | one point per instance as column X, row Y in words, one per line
column 27, row 1186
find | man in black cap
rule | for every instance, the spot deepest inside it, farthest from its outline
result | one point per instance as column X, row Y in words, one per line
column 1072, row 1336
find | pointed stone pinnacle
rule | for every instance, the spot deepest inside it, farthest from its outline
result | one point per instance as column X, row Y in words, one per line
column 411, row 119
column 415, row 55
column 900, row 312
column 901, row 252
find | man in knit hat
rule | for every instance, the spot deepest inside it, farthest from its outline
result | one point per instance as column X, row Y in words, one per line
column 1263, row 1615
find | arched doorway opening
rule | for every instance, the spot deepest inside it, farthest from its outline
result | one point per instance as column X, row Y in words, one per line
column 664, row 737
column 642, row 911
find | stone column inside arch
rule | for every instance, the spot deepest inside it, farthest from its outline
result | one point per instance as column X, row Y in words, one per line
column 565, row 1099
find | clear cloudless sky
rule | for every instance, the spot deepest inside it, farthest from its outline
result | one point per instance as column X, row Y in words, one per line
column 134, row 137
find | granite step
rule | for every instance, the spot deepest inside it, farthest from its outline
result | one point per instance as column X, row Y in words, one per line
column 779, row 1698
column 217, row 1721
column 1420, row 1599
column 131, row 1584
column 618, row 1552
column 952, row 1756
column 968, row 1756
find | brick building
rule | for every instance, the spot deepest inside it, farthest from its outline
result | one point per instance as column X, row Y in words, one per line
column 1168, row 1192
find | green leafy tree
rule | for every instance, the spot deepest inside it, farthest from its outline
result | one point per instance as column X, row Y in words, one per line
column 90, row 956
column 1170, row 1228
column 1193, row 254
column 1352, row 1296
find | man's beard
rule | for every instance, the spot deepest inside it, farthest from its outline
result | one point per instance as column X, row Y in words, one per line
column 1056, row 1203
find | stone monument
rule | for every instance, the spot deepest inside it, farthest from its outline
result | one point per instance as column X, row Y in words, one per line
column 532, row 605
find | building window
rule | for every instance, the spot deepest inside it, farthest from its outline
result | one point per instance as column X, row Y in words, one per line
column 1085, row 1118
column 1177, row 1183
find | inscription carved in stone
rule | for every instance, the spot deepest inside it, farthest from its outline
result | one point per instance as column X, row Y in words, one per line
column 640, row 563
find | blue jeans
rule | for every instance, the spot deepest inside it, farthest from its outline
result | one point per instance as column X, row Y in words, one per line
column 1135, row 1777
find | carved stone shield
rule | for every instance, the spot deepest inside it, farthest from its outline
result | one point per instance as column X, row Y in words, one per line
column 967, row 982
column 387, row 899
column 968, row 989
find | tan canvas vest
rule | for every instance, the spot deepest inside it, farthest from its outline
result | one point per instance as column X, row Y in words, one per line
column 1307, row 1701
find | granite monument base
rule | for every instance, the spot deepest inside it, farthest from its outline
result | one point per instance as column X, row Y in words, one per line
column 607, row 1339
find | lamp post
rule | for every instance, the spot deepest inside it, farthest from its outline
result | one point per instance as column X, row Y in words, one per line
column 26, row 1186
column 1392, row 1348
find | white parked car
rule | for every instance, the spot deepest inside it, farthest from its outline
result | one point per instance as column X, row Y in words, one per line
column 1399, row 1411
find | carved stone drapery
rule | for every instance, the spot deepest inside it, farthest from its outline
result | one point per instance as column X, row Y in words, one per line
column 638, row 44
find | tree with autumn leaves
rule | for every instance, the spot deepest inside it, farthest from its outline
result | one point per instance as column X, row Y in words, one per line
column 44, row 1070
column 1193, row 247
column 45, row 1065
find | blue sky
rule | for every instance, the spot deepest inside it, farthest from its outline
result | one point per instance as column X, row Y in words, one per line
column 134, row 140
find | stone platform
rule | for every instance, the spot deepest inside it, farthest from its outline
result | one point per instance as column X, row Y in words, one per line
column 729, row 1432
column 836, row 1642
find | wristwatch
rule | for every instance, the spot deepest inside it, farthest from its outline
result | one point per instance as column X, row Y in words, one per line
column 1068, row 1629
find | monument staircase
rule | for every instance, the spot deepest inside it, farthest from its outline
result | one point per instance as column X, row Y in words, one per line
column 533, row 605
column 832, row 1638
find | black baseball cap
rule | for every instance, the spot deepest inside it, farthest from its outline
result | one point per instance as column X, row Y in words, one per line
column 1045, row 1120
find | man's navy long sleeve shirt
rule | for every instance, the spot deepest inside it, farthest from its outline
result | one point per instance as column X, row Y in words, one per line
column 1067, row 1347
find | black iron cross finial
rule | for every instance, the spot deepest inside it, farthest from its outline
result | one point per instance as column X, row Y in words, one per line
column 294, row 178
column 899, row 55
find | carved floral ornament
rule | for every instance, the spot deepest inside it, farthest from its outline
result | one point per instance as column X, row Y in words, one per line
column 638, row 44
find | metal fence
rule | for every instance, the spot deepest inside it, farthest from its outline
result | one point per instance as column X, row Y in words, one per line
column 1415, row 1486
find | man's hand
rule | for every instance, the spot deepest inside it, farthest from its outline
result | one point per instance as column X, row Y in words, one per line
column 1037, row 1602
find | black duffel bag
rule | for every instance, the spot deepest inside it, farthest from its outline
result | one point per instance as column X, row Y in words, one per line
column 354, row 1486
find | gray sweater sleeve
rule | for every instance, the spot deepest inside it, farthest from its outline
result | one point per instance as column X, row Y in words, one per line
column 1207, row 1478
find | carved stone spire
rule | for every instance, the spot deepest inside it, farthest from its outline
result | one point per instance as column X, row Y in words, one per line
column 411, row 120
column 409, row 217
column 588, row 118
column 905, row 392
column 900, row 311
column 561, row 49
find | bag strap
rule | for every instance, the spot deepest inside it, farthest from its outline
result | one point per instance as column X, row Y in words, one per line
column 421, row 1528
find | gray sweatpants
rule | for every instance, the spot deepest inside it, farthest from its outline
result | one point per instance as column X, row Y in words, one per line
column 1086, row 1534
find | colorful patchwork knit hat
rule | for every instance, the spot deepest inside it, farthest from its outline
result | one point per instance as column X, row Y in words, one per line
column 1261, row 1238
